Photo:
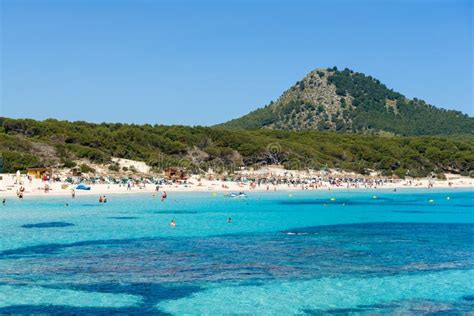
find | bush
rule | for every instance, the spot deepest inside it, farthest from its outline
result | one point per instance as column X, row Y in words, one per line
column 12, row 161
column 86, row 168
column 114, row 167
column 67, row 163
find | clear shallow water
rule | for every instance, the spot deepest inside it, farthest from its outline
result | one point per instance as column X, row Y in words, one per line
column 297, row 253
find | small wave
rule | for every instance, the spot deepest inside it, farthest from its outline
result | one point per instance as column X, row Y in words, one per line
column 299, row 233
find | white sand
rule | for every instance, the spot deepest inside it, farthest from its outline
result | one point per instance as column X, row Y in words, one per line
column 8, row 187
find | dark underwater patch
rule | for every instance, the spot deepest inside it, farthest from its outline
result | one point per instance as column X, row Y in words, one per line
column 47, row 225
column 405, row 307
column 468, row 297
column 151, row 294
column 47, row 249
column 369, row 228
column 430, row 212
column 414, row 212
column 335, row 311
column 80, row 311
column 418, row 307
column 368, row 202
column 175, row 212
column 463, row 205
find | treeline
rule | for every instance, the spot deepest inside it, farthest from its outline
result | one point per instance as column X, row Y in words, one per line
column 30, row 143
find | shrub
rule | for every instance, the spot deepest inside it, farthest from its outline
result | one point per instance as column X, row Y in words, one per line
column 86, row 168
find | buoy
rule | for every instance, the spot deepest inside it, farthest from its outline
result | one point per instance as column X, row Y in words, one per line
column 333, row 199
column 430, row 201
column 448, row 198
column 374, row 197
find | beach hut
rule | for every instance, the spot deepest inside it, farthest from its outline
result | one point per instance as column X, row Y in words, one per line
column 175, row 173
column 38, row 173
column 76, row 172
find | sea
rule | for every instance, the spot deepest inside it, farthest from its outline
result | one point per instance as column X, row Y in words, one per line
column 315, row 252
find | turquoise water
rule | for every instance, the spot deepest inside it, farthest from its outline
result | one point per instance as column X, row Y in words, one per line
column 304, row 253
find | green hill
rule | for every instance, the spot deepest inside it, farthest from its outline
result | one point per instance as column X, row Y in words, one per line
column 347, row 101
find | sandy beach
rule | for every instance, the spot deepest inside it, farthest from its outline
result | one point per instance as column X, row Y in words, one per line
column 36, row 187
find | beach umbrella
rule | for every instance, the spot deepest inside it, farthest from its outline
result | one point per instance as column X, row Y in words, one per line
column 18, row 177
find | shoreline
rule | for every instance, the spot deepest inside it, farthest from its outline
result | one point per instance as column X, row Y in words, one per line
column 260, row 193
column 56, row 189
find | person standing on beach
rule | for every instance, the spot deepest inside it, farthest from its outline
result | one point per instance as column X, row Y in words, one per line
column 163, row 196
column 73, row 193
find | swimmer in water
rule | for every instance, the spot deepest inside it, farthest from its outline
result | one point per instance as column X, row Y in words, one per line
column 100, row 199
column 173, row 223
column 105, row 199
column 4, row 201
column 229, row 220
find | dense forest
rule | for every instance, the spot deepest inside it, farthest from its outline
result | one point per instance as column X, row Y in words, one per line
column 405, row 117
column 29, row 143
column 348, row 101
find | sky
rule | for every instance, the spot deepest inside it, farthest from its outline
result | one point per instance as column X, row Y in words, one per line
column 206, row 62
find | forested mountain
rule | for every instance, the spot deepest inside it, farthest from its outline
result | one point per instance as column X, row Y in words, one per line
column 30, row 143
column 348, row 101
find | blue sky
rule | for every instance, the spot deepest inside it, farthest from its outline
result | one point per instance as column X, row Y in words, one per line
column 205, row 62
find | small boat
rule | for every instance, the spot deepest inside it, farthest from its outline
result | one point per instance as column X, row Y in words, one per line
column 238, row 195
column 83, row 187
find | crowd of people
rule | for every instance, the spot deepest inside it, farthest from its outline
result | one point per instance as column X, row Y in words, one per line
column 26, row 184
